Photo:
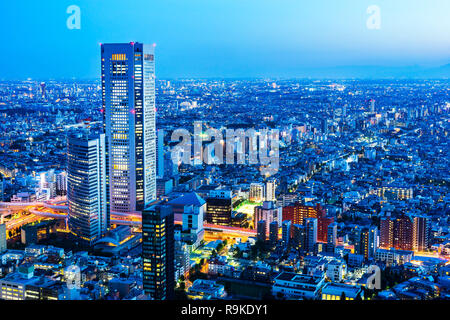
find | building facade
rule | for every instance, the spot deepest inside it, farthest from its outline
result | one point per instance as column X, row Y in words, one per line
column 87, row 189
column 158, row 251
column 128, row 86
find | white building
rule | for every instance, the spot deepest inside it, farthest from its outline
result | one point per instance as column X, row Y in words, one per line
column 336, row 271
column 297, row 286
column 269, row 213
column 270, row 190
column 256, row 193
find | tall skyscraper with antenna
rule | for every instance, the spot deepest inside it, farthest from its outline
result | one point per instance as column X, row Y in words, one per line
column 128, row 88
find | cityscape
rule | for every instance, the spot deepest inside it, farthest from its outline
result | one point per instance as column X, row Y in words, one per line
column 132, row 186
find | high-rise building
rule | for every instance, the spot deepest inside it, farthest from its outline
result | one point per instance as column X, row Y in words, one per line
column 256, row 193
column 286, row 232
column 299, row 237
column 366, row 241
column 261, row 230
column 322, row 228
column 324, row 126
column 421, row 233
column 298, row 212
column 311, row 233
column 331, row 237
column 160, row 153
column 267, row 212
column 372, row 105
column 403, row 233
column 273, row 232
column 386, row 233
column 128, row 85
column 87, row 190
column 47, row 185
column 61, row 184
column 158, row 251
column 3, row 237
column 2, row 187
column 270, row 190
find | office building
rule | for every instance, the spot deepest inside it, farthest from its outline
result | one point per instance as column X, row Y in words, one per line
column 3, row 246
column 219, row 207
column 158, row 251
column 286, row 232
column 128, row 86
column 273, row 232
column 299, row 237
column 61, row 184
column 311, row 233
column 160, row 153
column 87, row 192
column 261, row 230
column 366, row 242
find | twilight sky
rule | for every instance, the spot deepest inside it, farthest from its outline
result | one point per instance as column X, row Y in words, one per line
column 222, row 38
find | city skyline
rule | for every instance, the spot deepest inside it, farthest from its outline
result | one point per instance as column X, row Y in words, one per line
column 302, row 158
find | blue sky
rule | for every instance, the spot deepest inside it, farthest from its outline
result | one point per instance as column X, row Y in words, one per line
column 222, row 38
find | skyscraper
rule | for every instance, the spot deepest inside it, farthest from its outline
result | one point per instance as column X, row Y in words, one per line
column 386, row 233
column 158, row 251
column 160, row 153
column 270, row 190
column 421, row 233
column 299, row 237
column 372, row 105
column 256, row 193
column 273, row 232
column 286, row 232
column 128, row 85
column 261, row 230
column 331, row 237
column 87, row 191
column 3, row 237
column 403, row 233
column 311, row 233
column 219, row 207
column 366, row 242
column 322, row 228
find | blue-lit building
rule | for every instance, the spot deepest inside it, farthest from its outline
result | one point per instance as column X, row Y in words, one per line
column 160, row 153
column 87, row 190
column 128, row 88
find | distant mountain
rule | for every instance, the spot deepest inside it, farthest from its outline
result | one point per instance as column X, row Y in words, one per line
column 378, row 72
